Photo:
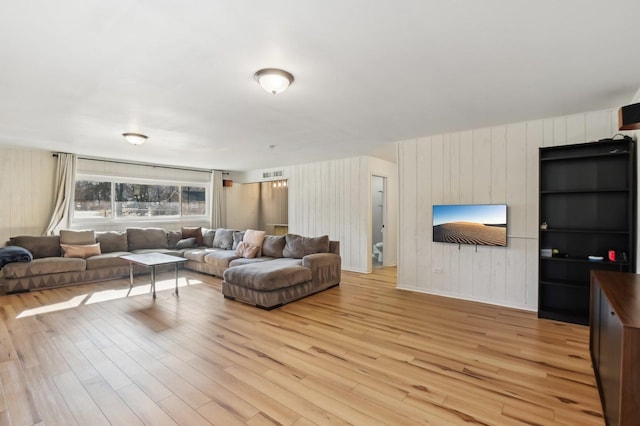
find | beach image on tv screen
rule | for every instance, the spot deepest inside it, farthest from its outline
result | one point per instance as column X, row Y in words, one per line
column 481, row 224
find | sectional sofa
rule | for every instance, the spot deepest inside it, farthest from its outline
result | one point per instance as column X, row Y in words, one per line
column 286, row 268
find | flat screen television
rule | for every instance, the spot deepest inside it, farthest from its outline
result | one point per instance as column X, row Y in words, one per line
column 478, row 224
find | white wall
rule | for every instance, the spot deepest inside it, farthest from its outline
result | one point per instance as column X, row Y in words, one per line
column 26, row 191
column 334, row 198
column 492, row 165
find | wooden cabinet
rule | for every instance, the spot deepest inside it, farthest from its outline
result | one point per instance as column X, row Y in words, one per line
column 615, row 344
column 587, row 201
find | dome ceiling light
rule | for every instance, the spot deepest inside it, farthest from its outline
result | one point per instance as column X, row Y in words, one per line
column 274, row 80
column 135, row 138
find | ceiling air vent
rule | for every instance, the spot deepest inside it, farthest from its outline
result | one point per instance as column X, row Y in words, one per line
column 275, row 173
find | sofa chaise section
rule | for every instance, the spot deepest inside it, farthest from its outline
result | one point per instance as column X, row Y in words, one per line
column 311, row 265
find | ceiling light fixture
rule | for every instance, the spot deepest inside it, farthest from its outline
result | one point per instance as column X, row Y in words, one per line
column 135, row 138
column 274, row 80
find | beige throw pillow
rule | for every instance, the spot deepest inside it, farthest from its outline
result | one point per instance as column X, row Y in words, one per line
column 246, row 250
column 254, row 238
column 81, row 251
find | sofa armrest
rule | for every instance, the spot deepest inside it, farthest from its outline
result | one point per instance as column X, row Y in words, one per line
column 325, row 268
column 334, row 247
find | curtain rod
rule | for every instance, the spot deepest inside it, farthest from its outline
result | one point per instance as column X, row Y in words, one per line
column 192, row 169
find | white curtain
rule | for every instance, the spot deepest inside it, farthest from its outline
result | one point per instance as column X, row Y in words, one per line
column 217, row 204
column 64, row 189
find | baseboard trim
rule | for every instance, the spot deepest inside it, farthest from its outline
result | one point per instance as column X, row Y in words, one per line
column 470, row 298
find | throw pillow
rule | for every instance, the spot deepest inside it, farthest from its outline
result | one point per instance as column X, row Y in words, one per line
column 223, row 239
column 112, row 241
column 147, row 238
column 193, row 232
column 273, row 245
column 255, row 238
column 190, row 242
column 172, row 238
column 207, row 236
column 237, row 239
column 39, row 247
column 82, row 251
column 298, row 246
column 246, row 250
column 69, row 236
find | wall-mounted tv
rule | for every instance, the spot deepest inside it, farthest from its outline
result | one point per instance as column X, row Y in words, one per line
column 479, row 224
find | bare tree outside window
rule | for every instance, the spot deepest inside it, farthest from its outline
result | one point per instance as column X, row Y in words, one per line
column 134, row 199
column 92, row 199
column 96, row 199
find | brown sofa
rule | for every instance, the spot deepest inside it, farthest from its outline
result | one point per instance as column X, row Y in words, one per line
column 289, row 267
column 302, row 267
column 49, row 269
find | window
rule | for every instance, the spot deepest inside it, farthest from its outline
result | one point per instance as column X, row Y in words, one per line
column 92, row 199
column 122, row 200
column 133, row 199
column 193, row 201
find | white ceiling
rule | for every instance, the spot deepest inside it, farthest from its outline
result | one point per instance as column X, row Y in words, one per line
column 75, row 74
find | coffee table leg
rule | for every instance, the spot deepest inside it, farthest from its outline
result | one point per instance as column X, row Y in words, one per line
column 176, row 265
column 130, row 276
column 153, row 280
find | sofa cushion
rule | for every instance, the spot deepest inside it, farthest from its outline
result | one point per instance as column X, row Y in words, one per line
column 42, row 266
column 112, row 241
column 247, row 250
column 273, row 245
column 220, row 258
column 298, row 246
column 223, row 239
column 267, row 276
column 198, row 254
column 84, row 237
column 170, row 252
column 48, row 246
column 147, row 238
column 107, row 260
column 172, row 238
column 80, row 250
column 244, row 261
column 207, row 237
column 195, row 232
column 187, row 243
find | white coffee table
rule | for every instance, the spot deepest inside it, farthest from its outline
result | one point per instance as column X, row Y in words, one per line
column 152, row 260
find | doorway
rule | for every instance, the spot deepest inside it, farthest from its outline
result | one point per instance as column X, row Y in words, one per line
column 378, row 216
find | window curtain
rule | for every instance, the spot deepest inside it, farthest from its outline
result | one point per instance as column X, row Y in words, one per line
column 217, row 204
column 64, row 188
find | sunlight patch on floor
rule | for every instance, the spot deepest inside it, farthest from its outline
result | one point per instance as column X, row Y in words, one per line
column 74, row 302
column 110, row 294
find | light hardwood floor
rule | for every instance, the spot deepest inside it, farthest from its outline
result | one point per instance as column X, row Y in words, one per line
column 362, row 353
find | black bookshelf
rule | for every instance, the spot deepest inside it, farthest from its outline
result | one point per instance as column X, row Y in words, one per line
column 588, row 201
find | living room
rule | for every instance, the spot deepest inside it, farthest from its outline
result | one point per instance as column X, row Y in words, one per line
column 447, row 117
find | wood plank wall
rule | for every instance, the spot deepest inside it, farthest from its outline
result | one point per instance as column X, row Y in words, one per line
column 26, row 191
column 484, row 166
column 333, row 197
